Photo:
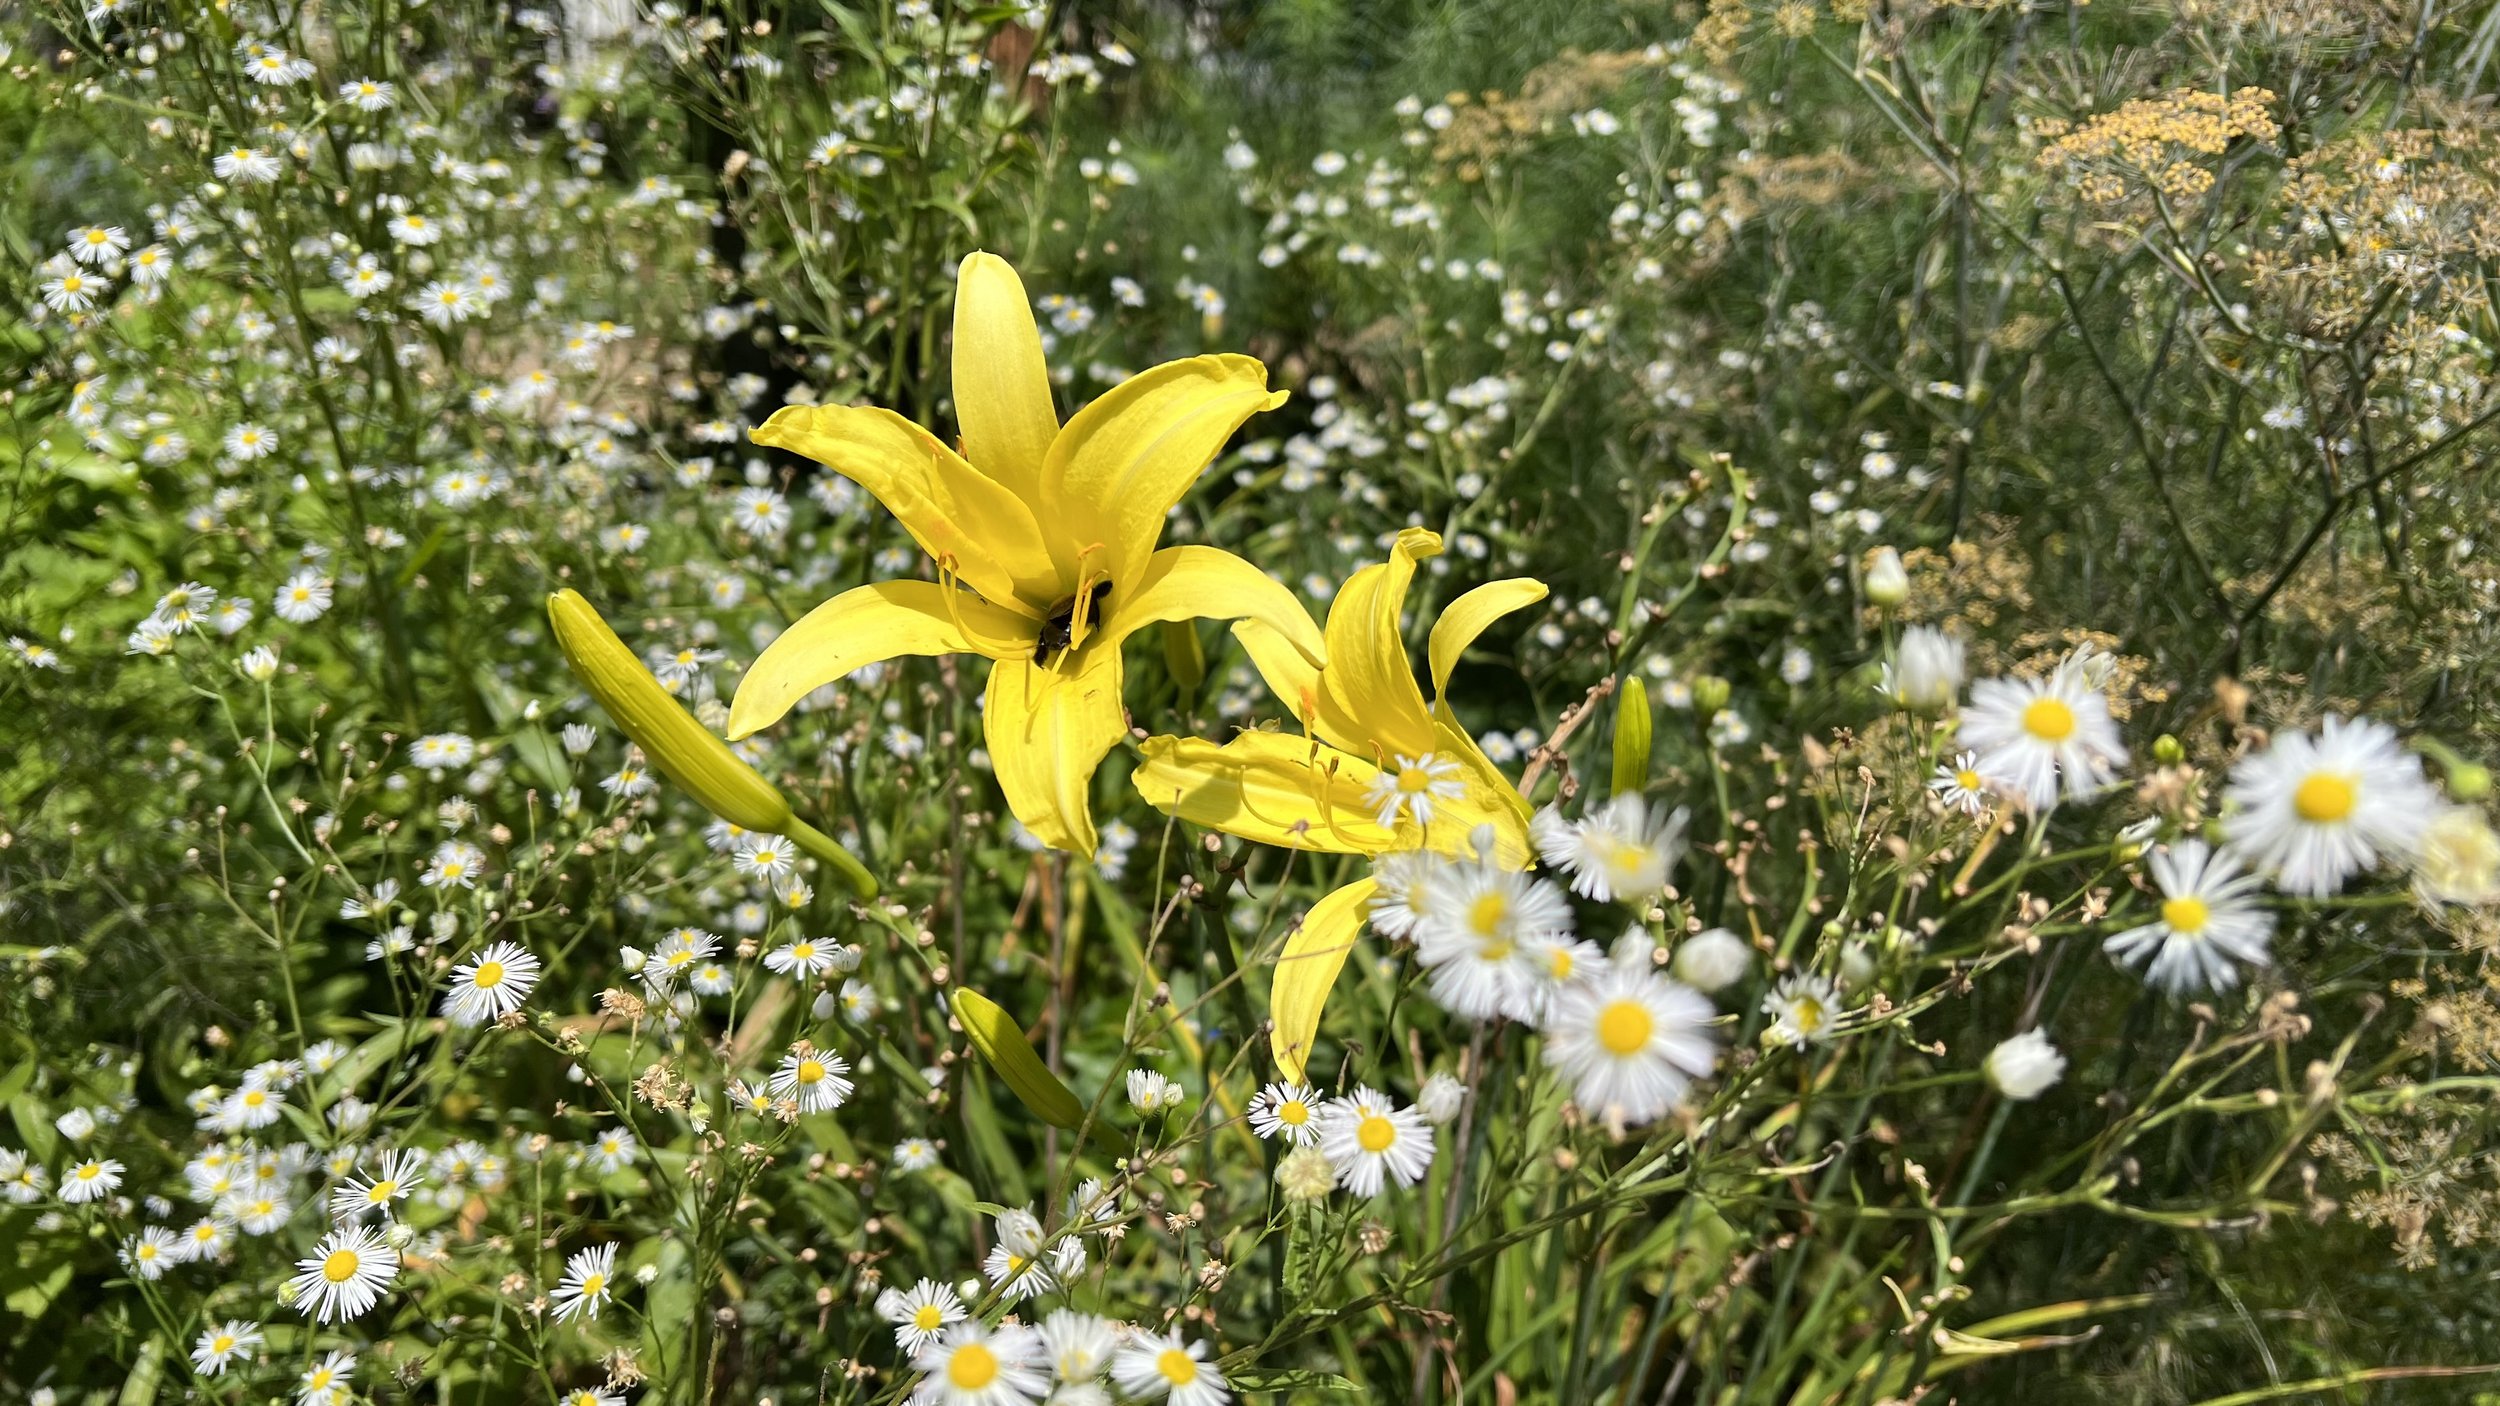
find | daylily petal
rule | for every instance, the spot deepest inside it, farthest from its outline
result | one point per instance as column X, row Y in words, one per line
column 1367, row 689
column 1308, row 967
column 861, row 626
column 1467, row 617
column 1002, row 385
column 1121, row 462
column 968, row 524
column 1293, row 678
column 1489, row 799
column 1209, row 583
column 1047, row 730
column 1272, row 787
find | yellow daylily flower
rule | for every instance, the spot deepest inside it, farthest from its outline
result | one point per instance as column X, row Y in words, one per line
column 1044, row 536
column 1381, row 772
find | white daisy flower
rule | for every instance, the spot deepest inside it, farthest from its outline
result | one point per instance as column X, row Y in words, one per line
column 972, row 1365
column 1411, row 787
column 920, row 1313
column 345, row 1275
column 812, row 1079
column 801, row 960
column 1477, row 936
column 151, row 1252
column 1287, row 1110
column 218, row 1347
column 325, row 1383
column 91, row 1180
column 2034, row 736
column 1617, row 852
column 2211, row 923
column 1078, row 1345
column 1161, row 1365
column 1369, row 1140
column 588, row 1277
column 1801, row 1008
column 1631, row 1042
column 1959, row 785
column 358, row 1197
column 492, row 985
column 2316, row 809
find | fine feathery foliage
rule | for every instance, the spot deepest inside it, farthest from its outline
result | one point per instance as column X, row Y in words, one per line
column 1766, row 701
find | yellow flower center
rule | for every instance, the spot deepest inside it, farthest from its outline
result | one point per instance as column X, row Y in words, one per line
column 380, row 1192
column 1293, row 1112
column 1488, row 913
column 1967, row 779
column 1412, row 780
column 2049, row 719
column 254, row 1098
column 223, row 1342
column 2185, row 914
column 340, row 1266
column 810, row 1071
column 804, row 951
column 2325, row 797
column 972, row 1367
column 1375, row 1133
column 927, row 1318
column 1806, row 1015
column 489, row 975
column 1177, row 1367
column 1624, row 1028
column 592, row 1284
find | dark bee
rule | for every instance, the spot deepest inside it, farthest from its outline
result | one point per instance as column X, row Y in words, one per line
column 1062, row 622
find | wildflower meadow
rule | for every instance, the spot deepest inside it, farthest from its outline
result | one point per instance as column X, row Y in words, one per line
column 1734, row 702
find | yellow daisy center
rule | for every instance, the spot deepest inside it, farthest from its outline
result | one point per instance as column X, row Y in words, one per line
column 2186, row 914
column 1414, row 779
column 1293, row 1112
column 810, row 1071
column 592, row 1284
column 927, row 1318
column 1375, row 1133
column 1624, row 1028
column 1967, row 779
column 1177, row 1367
column 1807, row 1014
column 2049, row 719
column 972, row 1367
column 223, row 1342
column 340, row 1266
column 2325, row 798
column 489, row 974
column 380, row 1192
column 1488, row 913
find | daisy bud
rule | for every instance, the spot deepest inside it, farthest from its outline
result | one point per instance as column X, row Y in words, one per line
column 1712, row 961
column 259, row 665
column 1710, row 694
column 1440, row 1099
column 1887, row 581
column 1305, row 1174
column 2168, row 751
column 2024, row 1067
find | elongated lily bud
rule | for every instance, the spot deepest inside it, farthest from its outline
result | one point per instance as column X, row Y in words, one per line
column 683, row 749
column 1631, row 737
column 1002, row 1044
column 1183, row 655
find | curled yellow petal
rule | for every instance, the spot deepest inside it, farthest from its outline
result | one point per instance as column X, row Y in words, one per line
column 1314, row 953
column 1048, row 728
column 970, row 525
column 1209, row 583
column 1270, row 787
column 1011, row 1057
column 1294, row 679
column 1367, row 689
column 1002, row 385
column 1120, row 463
column 1467, row 617
column 884, row 620
column 683, row 749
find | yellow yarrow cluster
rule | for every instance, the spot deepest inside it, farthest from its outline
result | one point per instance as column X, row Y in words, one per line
column 2164, row 144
